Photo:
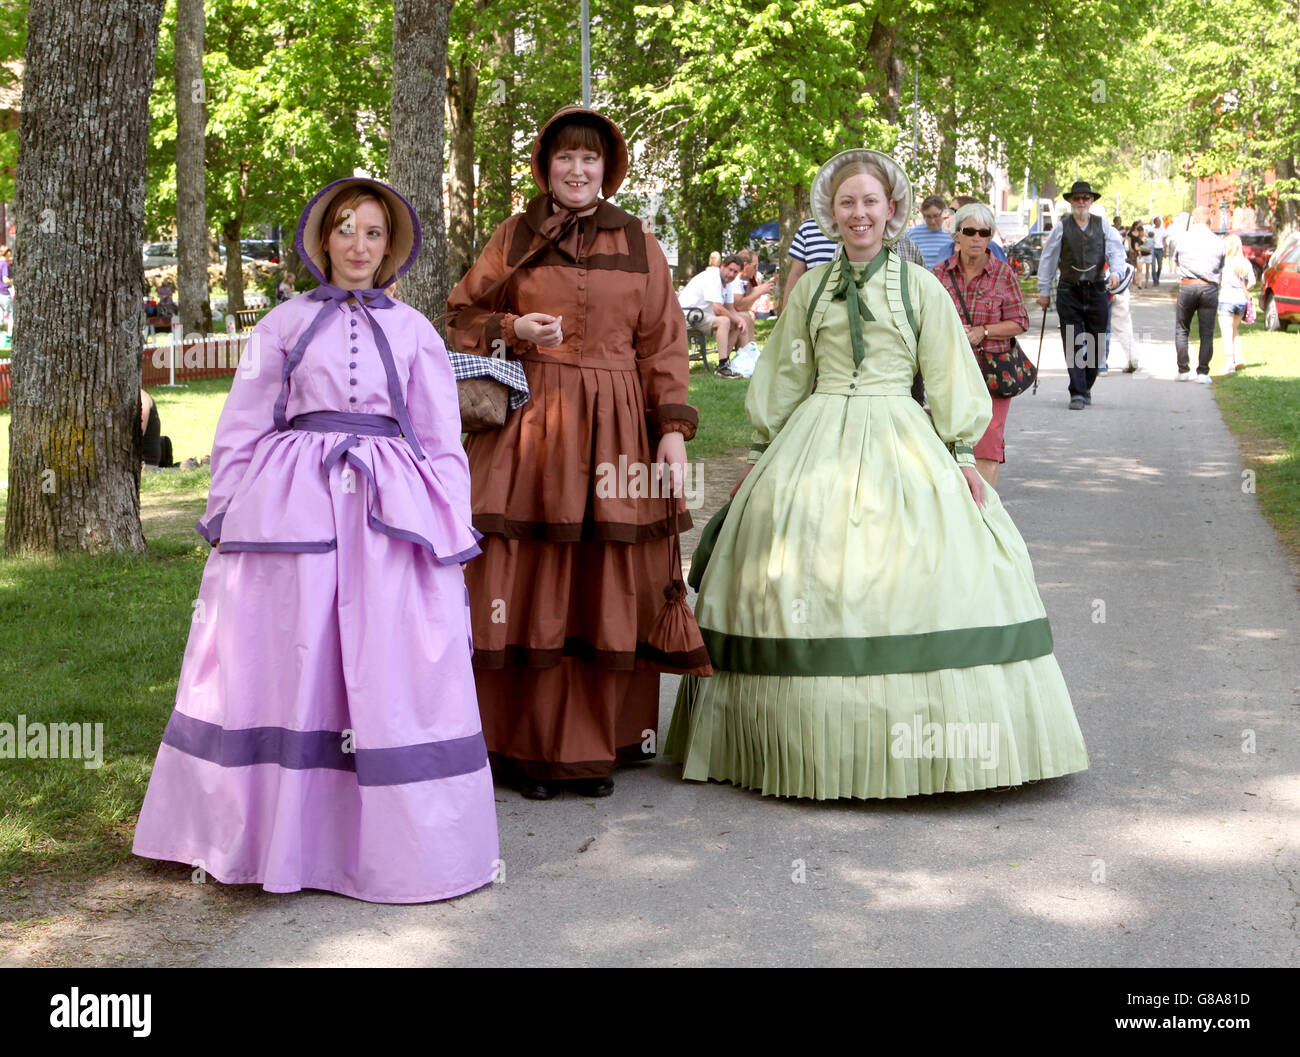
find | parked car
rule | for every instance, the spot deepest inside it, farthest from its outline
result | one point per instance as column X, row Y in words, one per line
column 1025, row 254
column 1257, row 244
column 262, row 250
column 1279, row 289
column 160, row 255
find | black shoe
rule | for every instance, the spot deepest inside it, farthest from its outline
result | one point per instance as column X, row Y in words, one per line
column 1088, row 399
column 1077, row 403
column 595, row 787
column 531, row 790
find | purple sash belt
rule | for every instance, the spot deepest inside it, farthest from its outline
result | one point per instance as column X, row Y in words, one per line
column 348, row 422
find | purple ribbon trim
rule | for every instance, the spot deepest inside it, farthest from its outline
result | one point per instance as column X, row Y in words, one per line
column 355, row 423
column 210, row 528
column 302, row 750
column 331, row 296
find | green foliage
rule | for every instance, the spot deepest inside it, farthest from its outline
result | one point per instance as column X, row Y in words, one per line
column 297, row 95
column 1229, row 70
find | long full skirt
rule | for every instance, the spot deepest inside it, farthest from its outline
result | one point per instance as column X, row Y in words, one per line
column 326, row 733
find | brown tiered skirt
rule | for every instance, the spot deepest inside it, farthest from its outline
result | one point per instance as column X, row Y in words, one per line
column 570, row 581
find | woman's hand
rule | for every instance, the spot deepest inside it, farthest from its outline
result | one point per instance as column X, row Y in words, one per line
column 542, row 330
column 976, row 334
column 975, row 483
column 741, row 479
column 670, row 459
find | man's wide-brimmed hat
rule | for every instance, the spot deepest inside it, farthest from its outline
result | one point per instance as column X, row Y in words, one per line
column 899, row 189
column 403, row 240
column 1081, row 187
column 615, row 164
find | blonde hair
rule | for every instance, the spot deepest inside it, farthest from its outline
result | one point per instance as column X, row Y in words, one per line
column 861, row 167
column 333, row 217
column 1232, row 246
column 715, row 259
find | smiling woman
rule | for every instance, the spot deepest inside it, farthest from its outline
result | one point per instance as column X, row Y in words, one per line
column 863, row 592
column 571, row 580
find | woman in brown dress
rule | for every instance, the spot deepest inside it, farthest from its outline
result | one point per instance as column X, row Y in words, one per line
column 575, row 548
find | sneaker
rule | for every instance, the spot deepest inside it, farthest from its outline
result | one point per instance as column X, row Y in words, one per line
column 1077, row 403
column 1184, row 376
column 1088, row 400
column 1103, row 369
column 1204, row 379
column 1227, row 368
column 725, row 371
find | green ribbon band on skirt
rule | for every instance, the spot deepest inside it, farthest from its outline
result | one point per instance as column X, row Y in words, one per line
column 929, row 651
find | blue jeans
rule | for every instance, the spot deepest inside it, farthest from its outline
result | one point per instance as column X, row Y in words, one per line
column 1157, row 260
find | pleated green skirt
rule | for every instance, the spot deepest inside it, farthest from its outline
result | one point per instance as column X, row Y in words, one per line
column 873, row 633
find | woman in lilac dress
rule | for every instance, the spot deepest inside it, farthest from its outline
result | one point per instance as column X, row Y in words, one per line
column 326, row 731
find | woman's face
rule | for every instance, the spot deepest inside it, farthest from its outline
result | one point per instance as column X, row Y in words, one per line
column 972, row 246
column 861, row 209
column 357, row 246
column 576, row 174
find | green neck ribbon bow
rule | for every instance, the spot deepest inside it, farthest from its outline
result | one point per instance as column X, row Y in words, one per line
column 849, row 290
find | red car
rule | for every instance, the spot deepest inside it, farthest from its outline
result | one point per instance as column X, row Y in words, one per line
column 1279, row 289
column 1257, row 245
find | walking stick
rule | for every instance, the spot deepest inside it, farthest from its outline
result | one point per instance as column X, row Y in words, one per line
column 1041, row 331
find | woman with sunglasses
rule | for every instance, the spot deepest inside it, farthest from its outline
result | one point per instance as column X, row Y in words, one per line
column 988, row 299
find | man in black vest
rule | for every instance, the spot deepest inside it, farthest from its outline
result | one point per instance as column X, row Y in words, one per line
column 1081, row 245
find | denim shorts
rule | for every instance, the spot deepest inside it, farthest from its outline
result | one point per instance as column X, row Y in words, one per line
column 1227, row 308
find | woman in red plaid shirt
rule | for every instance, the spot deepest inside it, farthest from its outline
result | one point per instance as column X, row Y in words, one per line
column 994, row 313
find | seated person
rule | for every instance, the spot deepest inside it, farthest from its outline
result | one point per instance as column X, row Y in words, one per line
column 710, row 292
column 157, row 448
column 745, row 292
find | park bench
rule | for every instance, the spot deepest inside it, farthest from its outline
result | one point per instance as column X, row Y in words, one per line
column 698, row 333
column 246, row 319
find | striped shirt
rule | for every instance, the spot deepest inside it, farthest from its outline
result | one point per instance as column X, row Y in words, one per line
column 935, row 245
column 811, row 246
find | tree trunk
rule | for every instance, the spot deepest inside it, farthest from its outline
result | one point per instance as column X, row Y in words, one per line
column 420, row 30
column 462, row 94
column 1287, row 217
column 880, row 47
column 494, row 138
column 76, row 443
column 946, row 176
column 230, row 234
column 191, row 182
column 795, row 208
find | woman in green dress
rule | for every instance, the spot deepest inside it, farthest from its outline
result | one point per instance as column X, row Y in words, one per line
column 869, row 608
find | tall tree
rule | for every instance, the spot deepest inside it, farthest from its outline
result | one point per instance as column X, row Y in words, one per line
column 415, row 150
column 191, row 184
column 74, row 464
column 1237, row 95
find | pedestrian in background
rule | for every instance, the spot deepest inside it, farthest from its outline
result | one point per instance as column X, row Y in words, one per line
column 1081, row 247
column 987, row 296
column 1198, row 256
column 809, row 249
column 1157, row 249
column 1234, row 300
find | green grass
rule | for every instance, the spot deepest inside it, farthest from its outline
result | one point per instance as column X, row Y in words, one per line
column 94, row 640
column 1261, row 405
column 100, row 640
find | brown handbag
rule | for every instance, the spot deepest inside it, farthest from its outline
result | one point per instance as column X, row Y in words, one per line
column 483, row 404
column 485, row 401
column 675, row 644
